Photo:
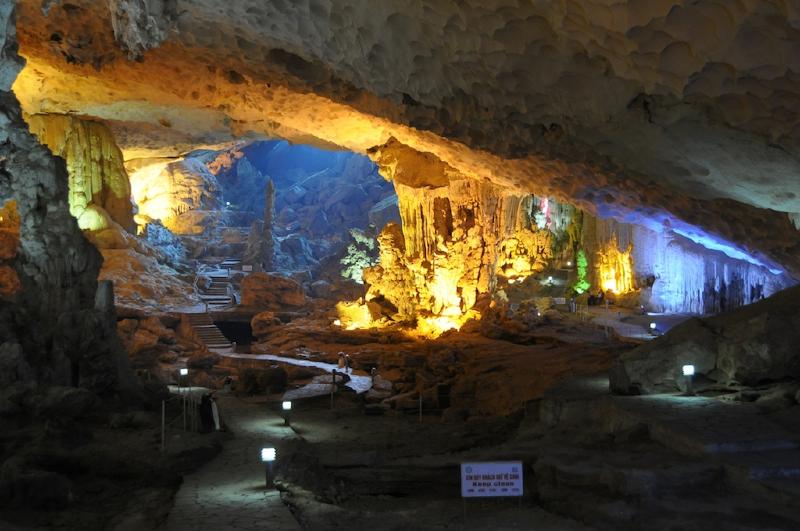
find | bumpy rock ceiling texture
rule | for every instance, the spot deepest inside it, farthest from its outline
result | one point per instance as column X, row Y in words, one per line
column 676, row 114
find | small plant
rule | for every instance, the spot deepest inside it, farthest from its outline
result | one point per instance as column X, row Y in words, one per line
column 361, row 253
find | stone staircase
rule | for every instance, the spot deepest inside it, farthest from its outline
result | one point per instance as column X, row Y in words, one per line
column 208, row 333
column 221, row 293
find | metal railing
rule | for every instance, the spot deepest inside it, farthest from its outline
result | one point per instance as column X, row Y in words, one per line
column 188, row 420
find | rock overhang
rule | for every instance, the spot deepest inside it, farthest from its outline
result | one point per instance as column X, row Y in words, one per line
column 678, row 117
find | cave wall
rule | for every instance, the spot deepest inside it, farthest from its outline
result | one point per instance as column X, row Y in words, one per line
column 98, row 183
column 675, row 275
column 58, row 328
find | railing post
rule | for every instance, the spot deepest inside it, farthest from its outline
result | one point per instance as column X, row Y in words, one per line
column 163, row 426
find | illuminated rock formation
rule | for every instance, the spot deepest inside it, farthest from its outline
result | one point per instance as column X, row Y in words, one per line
column 615, row 268
column 180, row 193
column 98, row 183
column 457, row 235
column 670, row 272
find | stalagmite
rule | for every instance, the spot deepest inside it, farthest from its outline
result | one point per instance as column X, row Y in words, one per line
column 267, row 241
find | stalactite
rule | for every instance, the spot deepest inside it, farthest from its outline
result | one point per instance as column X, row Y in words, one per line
column 98, row 183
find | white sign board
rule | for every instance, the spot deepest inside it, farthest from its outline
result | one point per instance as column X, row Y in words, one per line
column 501, row 478
column 559, row 300
column 247, row 268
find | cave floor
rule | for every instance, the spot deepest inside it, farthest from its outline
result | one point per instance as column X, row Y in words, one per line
column 229, row 492
column 592, row 461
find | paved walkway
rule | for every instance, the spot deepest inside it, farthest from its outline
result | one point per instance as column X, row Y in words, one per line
column 359, row 382
column 634, row 325
column 228, row 492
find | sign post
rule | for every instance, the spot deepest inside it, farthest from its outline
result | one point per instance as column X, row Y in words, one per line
column 496, row 479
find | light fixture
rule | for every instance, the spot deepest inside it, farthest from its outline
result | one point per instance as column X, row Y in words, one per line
column 569, row 263
column 227, row 203
column 511, row 280
column 337, row 322
column 652, row 326
column 268, row 455
column 550, row 279
column 184, row 371
column 287, row 405
column 688, row 373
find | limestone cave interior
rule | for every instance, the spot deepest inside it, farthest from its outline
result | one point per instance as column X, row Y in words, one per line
column 400, row 264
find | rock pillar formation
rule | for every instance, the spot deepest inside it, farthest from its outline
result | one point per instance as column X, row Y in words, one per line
column 457, row 235
column 50, row 331
column 260, row 249
column 98, row 183
column 269, row 216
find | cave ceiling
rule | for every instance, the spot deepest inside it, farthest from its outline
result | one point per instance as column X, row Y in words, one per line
column 682, row 115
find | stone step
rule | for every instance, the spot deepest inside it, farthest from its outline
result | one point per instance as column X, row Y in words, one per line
column 215, row 299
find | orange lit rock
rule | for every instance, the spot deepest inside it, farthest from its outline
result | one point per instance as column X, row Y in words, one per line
column 264, row 323
column 271, row 292
column 615, row 268
column 9, row 282
column 9, row 241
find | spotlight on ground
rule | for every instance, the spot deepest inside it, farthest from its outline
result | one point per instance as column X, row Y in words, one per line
column 287, row 405
column 688, row 370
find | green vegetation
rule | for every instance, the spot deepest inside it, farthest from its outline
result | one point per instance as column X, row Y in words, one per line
column 361, row 253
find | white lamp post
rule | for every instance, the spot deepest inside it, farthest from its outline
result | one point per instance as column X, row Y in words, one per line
column 268, row 456
column 688, row 372
column 287, row 411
